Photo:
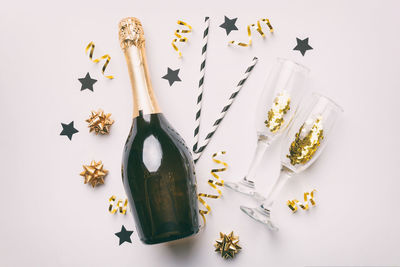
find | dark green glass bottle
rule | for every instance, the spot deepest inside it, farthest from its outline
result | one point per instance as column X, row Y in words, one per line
column 157, row 167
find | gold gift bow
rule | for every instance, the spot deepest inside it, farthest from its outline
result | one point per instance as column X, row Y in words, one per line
column 180, row 37
column 122, row 209
column 107, row 57
column 213, row 184
column 292, row 204
column 266, row 21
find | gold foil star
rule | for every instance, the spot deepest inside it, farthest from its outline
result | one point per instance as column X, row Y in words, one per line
column 100, row 122
column 227, row 245
column 94, row 173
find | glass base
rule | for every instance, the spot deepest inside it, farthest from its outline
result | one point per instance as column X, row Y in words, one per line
column 245, row 187
column 261, row 215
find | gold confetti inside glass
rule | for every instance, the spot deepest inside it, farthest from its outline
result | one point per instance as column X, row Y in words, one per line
column 278, row 104
column 302, row 145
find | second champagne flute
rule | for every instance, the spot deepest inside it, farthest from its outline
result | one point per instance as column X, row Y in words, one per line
column 277, row 106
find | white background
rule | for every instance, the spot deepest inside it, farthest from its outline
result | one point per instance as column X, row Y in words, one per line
column 50, row 218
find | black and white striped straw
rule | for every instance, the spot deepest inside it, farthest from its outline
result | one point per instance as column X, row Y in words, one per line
column 201, row 82
column 199, row 152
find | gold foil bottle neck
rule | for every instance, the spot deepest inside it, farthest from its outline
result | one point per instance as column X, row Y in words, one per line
column 131, row 33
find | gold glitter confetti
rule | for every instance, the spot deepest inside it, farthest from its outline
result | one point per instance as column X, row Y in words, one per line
column 292, row 204
column 107, row 57
column 178, row 33
column 279, row 108
column 306, row 144
column 100, row 122
column 94, row 173
column 227, row 245
column 259, row 30
column 213, row 184
column 121, row 207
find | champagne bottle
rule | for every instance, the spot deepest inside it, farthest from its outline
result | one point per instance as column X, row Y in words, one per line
column 157, row 168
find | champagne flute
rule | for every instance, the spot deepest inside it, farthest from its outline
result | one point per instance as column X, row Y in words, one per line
column 302, row 145
column 277, row 106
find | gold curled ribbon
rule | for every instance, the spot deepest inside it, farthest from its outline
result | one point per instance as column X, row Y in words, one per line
column 259, row 30
column 292, row 204
column 122, row 208
column 213, row 184
column 180, row 38
column 107, row 57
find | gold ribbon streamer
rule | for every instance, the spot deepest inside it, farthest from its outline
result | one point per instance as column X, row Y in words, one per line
column 292, row 204
column 122, row 208
column 106, row 57
column 213, row 184
column 259, row 30
column 180, row 38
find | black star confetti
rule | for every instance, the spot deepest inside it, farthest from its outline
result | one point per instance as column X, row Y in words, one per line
column 124, row 235
column 302, row 46
column 229, row 25
column 87, row 82
column 68, row 130
column 172, row 76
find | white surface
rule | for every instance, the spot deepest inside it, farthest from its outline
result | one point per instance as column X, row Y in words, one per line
column 50, row 218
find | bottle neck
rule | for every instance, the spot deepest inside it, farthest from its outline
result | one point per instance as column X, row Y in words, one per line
column 144, row 100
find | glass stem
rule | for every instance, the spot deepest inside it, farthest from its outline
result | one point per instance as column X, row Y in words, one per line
column 284, row 175
column 262, row 145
